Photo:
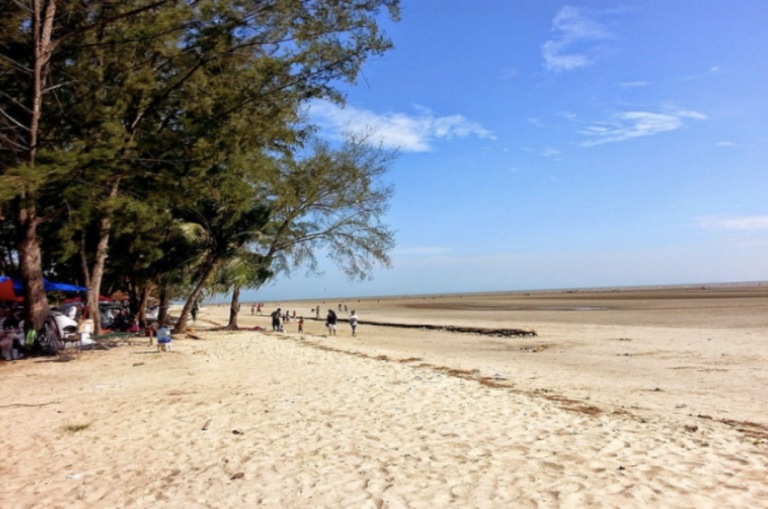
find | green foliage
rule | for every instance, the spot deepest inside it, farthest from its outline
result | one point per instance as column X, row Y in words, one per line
column 160, row 115
column 331, row 200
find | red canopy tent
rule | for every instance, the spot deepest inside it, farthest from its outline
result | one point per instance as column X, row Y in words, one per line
column 6, row 290
column 78, row 299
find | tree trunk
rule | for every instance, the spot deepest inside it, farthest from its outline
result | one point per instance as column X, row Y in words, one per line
column 141, row 310
column 100, row 259
column 30, row 257
column 162, row 312
column 30, row 262
column 234, row 309
column 181, row 325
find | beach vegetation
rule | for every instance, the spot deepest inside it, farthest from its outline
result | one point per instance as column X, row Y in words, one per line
column 74, row 428
column 127, row 127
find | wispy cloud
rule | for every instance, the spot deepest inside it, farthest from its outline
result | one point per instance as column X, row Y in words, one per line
column 421, row 251
column 550, row 152
column 726, row 144
column 573, row 41
column 636, row 124
column 744, row 223
column 509, row 73
column 410, row 133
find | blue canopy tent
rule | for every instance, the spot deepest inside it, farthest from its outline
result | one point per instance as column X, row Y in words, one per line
column 50, row 286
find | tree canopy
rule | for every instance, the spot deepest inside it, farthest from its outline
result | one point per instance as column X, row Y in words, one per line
column 125, row 127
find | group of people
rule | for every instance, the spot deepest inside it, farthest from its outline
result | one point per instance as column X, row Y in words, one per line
column 331, row 319
column 279, row 318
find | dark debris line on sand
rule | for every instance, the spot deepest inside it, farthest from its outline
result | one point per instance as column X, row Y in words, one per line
column 463, row 330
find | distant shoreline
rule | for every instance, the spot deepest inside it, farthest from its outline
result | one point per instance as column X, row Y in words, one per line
column 586, row 289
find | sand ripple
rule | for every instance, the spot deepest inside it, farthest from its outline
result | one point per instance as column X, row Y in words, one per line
column 295, row 426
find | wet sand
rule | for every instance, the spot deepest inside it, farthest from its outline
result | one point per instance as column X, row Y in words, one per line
column 644, row 398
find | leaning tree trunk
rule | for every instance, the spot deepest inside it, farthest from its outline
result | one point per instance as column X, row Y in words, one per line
column 141, row 310
column 181, row 325
column 234, row 309
column 105, row 226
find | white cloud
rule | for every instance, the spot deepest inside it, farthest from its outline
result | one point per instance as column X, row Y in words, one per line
column 726, row 144
column 572, row 45
column 745, row 223
column 410, row 133
column 550, row 152
column 635, row 124
column 634, row 84
column 509, row 73
column 690, row 114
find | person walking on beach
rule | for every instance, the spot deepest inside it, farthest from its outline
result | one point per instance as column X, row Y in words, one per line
column 301, row 324
column 276, row 320
column 353, row 319
column 330, row 322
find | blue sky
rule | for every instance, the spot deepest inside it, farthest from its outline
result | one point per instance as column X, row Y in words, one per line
column 546, row 144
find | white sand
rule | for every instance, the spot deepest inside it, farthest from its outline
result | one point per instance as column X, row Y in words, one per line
column 321, row 422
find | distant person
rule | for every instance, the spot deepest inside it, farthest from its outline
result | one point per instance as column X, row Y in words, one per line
column 353, row 319
column 301, row 324
column 11, row 321
column 317, row 312
column 330, row 322
column 134, row 328
column 276, row 320
column 253, row 309
column 258, row 308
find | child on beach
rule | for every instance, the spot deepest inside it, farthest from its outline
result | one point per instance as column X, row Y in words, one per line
column 353, row 319
column 301, row 324
column 163, row 339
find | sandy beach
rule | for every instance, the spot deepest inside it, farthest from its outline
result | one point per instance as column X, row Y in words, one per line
column 614, row 398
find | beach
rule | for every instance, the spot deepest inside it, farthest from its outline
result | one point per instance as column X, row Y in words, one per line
column 651, row 397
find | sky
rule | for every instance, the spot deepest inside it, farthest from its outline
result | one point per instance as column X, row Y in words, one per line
column 546, row 144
